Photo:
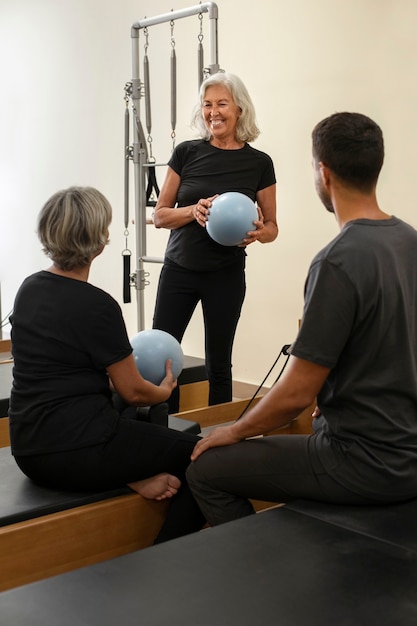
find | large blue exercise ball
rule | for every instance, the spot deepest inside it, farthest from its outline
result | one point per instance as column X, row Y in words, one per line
column 231, row 216
column 151, row 349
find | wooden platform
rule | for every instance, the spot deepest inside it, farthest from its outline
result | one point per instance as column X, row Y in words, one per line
column 56, row 543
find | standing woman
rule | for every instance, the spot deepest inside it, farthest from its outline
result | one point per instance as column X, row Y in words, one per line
column 196, row 268
column 70, row 348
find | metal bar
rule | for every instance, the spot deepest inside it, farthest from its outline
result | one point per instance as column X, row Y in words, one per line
column 153, row 259
column 148, row 114
column 200, row 64
column 126, row 167
column 214, row 66
column 173, row 60
column 205, row 7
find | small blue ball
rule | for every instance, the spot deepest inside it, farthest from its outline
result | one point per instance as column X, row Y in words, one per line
column 231, row 217
column 151, row 349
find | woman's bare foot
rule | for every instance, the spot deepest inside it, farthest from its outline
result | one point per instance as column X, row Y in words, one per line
column 157, row 487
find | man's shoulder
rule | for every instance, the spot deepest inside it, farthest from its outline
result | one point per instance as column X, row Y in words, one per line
column 358, row 231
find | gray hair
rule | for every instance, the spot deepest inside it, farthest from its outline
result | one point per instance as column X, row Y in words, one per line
column 73, row 226
column 246, row 129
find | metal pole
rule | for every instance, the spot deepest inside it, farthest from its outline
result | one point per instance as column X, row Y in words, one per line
column 139, row 159
column 139, row 140
column 214, row 66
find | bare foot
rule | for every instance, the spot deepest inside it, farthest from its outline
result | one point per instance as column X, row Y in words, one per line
column 157, row 487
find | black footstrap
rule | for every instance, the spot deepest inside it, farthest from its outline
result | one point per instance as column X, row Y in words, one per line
column 152, row 188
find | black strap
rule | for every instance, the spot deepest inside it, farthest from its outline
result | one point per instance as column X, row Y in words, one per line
column 126, row 278
column 152, row 186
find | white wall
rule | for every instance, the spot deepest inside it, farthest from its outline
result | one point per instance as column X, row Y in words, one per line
column 64, row 66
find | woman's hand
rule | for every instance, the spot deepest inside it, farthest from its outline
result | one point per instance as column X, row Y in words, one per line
column 266, row 224
column 134, row 389
column 202, row 210
column 169, row 382
column 254, row 235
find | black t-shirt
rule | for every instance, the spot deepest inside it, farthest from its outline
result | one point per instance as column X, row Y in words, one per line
column 65, row 333
column 205, row 171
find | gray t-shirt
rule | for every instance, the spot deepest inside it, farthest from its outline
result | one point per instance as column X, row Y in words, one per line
column 360, row 320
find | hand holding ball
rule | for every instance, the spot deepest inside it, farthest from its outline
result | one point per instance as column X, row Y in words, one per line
column 231, row 216
column 151, row 350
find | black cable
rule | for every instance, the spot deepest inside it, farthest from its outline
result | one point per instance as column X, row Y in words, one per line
column 284, row 350
column 6, row 320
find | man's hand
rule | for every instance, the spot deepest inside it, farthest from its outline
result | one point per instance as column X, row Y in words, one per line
column 294, row 392
column 223, row 436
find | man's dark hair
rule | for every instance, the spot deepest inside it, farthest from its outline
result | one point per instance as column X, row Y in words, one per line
column 352, row 146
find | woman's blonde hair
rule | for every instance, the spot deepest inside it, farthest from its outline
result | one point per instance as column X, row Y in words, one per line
column 246, row 129
column 73, row 226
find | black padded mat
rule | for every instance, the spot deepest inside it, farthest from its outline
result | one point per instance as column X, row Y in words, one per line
column 21, row 499
column 394, row 523
column 279, row 567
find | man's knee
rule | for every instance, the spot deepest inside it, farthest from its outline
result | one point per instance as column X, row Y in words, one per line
column 189, row 474
column 193, row 476
column 200, row 471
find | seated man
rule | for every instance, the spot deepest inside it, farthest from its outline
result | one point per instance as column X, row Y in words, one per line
column 356, row 351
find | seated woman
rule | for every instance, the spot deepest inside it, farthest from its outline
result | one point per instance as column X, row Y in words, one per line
column 71, row 349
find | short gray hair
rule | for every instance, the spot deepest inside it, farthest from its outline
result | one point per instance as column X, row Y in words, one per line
column 73, row 226
column 246, row 129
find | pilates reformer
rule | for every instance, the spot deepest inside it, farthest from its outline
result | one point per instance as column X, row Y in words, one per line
column 44, row 532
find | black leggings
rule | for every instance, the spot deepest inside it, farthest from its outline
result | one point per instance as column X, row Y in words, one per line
column 138, row 450
column 221, row 293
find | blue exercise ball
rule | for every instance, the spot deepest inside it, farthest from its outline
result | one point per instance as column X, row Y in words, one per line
column 151, row 350
column 231, row 216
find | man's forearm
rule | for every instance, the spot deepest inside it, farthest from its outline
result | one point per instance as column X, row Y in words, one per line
column 270, row 413
column 296, row 390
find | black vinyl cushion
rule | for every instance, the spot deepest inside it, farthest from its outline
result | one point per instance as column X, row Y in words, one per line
column 21, row 499
column 279, row 567
column 393, row 523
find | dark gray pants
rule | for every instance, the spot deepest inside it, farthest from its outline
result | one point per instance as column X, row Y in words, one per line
column 275, row 468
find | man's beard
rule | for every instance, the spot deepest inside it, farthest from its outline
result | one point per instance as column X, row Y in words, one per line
column 325, row 198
